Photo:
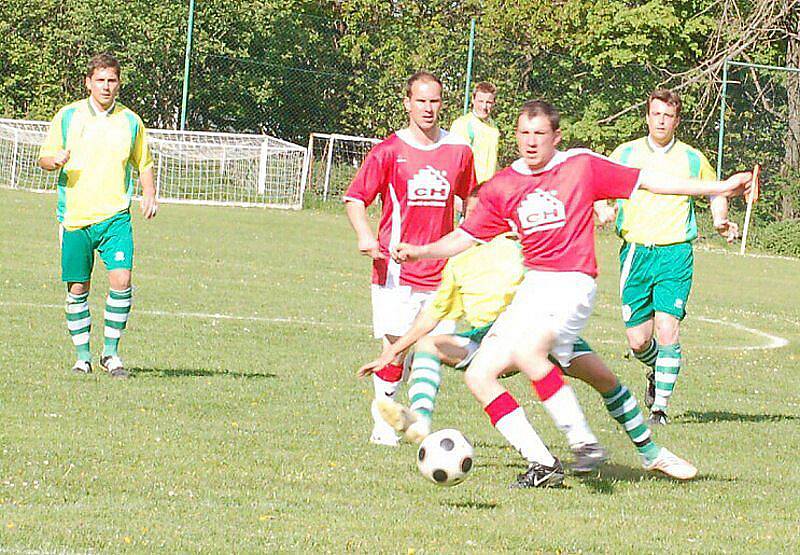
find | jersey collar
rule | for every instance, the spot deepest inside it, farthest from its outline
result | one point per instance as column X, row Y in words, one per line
column 95, row 110
column 521, row 167
column 660, row 149
column 405, row 136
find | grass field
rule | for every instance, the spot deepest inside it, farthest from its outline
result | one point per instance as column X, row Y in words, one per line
column 244, row 429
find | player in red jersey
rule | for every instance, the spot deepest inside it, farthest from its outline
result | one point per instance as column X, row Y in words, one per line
column 418, row 172
column 547, row 196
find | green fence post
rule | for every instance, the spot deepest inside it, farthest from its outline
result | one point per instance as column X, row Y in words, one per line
column 467, row 84
column 189, row 32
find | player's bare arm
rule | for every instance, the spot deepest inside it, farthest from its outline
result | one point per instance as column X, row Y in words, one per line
column 719, row 212
column 451, row 244
column 665, row 184
column 367, row 244
column 55, row 162
column 423, row 325
column 149, row 203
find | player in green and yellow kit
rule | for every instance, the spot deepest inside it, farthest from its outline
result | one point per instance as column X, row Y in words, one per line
column 478, row 129
column 477, row 285
column 96, row 144
column 656, row 259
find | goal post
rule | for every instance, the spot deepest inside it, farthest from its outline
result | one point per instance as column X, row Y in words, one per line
column 333, row 160
column 190, row 167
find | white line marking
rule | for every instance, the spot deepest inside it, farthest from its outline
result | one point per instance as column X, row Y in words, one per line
column 214, row 316
column 775, row 341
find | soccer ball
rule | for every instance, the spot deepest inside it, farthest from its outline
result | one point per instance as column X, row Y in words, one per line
column 445, row 457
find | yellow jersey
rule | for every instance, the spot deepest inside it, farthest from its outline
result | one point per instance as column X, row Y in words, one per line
column 483, row 136
column 478, row 284
column 97, row 180
column 652, row 219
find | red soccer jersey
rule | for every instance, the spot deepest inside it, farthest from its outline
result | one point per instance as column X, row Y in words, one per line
column 416, row 184
column 551, row 208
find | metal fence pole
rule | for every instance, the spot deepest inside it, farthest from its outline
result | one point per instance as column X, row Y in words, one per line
column 189, row 31
column 470, row 53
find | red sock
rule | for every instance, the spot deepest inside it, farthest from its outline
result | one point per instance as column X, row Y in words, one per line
column 550, row 384
column 390, row 373
column 502, row 405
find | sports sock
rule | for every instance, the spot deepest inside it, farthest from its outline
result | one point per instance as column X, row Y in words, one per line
column 668, row 365
column 423, row 384
column 387, row 380
column 79, row 323
column 622, row 406
column 509, row 419
column 649, row 355
column 118, row 306
column 561, row 403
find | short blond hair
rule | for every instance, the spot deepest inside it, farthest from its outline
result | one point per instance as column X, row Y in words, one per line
column 484, row 87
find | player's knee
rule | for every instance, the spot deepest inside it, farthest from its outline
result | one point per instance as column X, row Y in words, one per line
column 639, row 341
column 78, row 287
column 427, row 344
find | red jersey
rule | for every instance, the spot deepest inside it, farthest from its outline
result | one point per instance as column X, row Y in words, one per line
column 416, row 184
column 551, row 208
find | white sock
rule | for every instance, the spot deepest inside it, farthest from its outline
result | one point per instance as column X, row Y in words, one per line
column 566, row 412
column 518, row 431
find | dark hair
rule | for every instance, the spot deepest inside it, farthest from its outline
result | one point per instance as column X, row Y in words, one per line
column 421, row 76
column 534, row 108
column 103, row 61
column 485, row 87
column 667, row 96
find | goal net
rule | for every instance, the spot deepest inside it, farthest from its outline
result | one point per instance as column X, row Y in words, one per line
column 189, row 166
column 333, row 162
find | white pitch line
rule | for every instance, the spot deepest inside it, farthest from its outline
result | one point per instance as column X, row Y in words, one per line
column 775, row 341
column 214, row 316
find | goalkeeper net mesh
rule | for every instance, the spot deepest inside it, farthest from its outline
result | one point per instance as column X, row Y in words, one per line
column 189, row 167
column 333, row 162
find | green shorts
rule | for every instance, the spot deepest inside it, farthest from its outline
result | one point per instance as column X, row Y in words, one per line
column 112, row 238
column 654, row 279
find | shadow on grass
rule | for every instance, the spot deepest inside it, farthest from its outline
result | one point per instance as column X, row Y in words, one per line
column 195, row 373
column 604, row 479
column 713, row 416
column 482, row 505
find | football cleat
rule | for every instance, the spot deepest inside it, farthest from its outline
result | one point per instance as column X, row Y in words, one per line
column 404, row 420
column 382, row 432
column 540, row 476
column 588, row 458
column 113, row 365
column 650, row 392
column 82, row 367
column 671, row 465
column 658, row 418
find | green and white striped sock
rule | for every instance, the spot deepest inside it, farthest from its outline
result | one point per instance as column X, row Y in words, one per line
column 79, row 323
column 423, row 384
column 622, row 406
column 118, row 306
column 668, row 365
column 649, row 355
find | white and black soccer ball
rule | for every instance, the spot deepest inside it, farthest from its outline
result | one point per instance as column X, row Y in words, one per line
column 445, row 457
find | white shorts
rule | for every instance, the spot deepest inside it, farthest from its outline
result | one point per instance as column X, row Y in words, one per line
column 471, row 347
column 395, row 308
column 560, row 302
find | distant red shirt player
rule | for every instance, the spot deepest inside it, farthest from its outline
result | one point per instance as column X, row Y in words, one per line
column 417, row 173
column 547, row 196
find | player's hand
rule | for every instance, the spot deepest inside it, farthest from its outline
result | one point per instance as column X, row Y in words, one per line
column 149, row 205
column 368, row 246
column 404, row 252
column 369, row 368
column 60, row 158
column 737, row 184
column 728, row 229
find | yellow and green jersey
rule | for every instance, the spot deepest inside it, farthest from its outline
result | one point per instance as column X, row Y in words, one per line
column 479, row 283
column 653, row 219
column 483, row 136
column 97, row 181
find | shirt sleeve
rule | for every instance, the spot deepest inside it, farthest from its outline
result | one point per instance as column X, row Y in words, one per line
column 611, row 180
column 370, row 180
column 487, row 220
column 446, row 303
column 54, row 141
column 707, row 173
column 140, row 154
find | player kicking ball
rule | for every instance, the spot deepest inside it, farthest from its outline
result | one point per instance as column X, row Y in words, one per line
column 476, row 287
column 547, row 196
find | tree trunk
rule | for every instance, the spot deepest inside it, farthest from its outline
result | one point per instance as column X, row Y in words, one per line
column 791, row 160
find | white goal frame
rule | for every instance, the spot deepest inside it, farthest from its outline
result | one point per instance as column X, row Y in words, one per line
column 359, row 146
column 190, row 167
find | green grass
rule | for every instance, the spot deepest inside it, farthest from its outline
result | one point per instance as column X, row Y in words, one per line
column 250, row 435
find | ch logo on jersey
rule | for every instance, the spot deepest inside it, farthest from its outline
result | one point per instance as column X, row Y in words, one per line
column 428, row 187
column 540, row 211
